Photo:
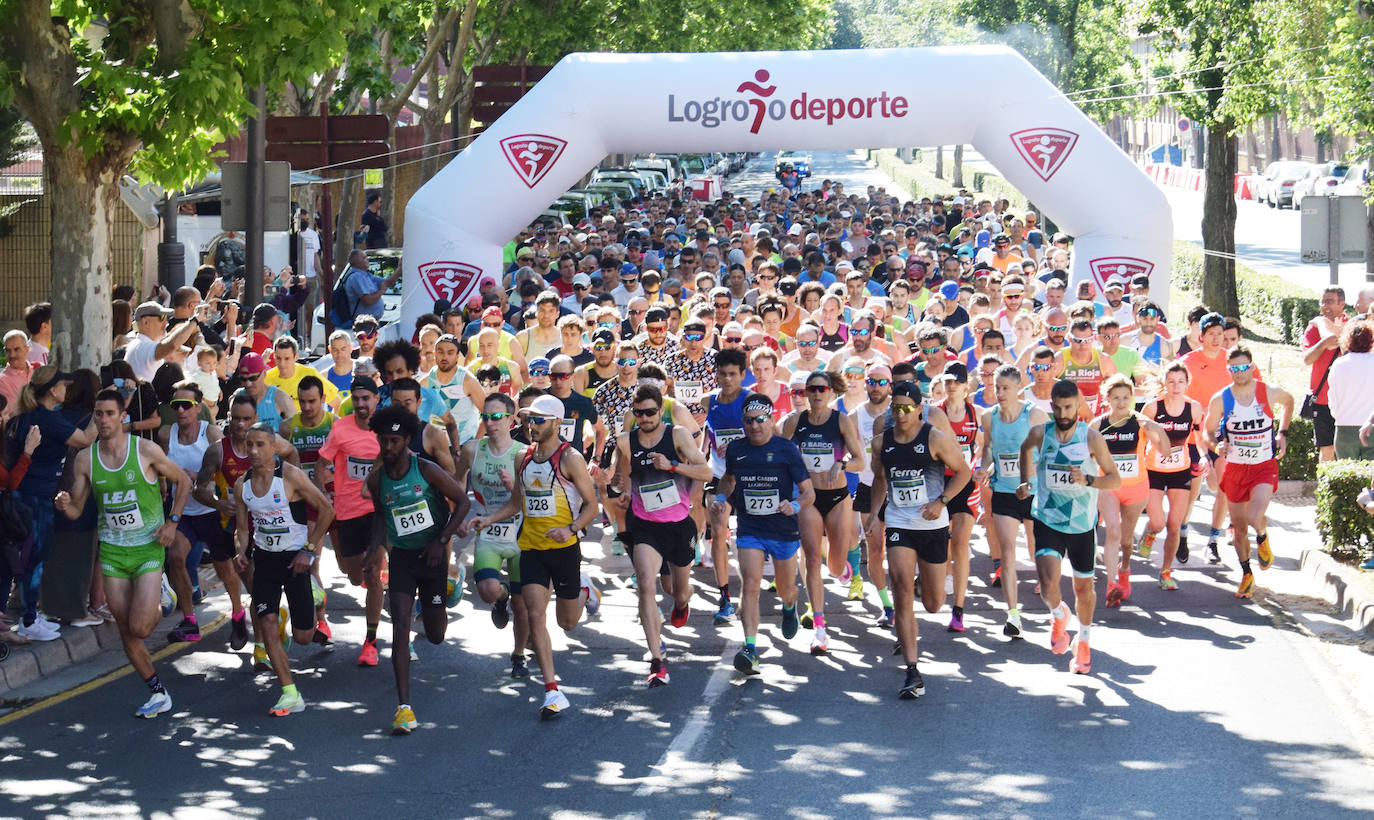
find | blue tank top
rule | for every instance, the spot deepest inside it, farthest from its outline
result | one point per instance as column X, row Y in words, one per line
column 1152, row 353
column 724, row 424
column 267, row 409
column 1006, row 438
column 1060, row 504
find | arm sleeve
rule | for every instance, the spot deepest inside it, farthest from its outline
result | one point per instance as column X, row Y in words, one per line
column 10, row 478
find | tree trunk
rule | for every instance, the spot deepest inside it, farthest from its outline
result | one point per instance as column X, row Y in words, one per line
column 939, row 162
column 958, row 181
column 350, row 210
column 1275, row 139
column 1219, row 222
column 81, row 201
column 1253, row 143
column 433, row 132
column 389, row 203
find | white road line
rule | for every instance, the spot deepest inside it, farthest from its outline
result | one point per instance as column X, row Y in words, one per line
column 676, row 757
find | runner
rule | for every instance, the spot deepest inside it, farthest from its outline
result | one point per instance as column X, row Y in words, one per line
column 829, row 445
column 724, row 424
column 490, row 465
column 424, row 508
column 965, row 505
column 1065, row 486
column 1041, row 379
column 307, row 431
column 1126, row 433
column 271, row 522
column 909, row 463
column 1242, row 428
column 866, row 418
column 589, row 376
column 1083, row 364
column 1173, row 473
column 431, row 441
column 461, row 391
column 657, row 462
column 132, row 532
column 766, row 480
column 555, row 491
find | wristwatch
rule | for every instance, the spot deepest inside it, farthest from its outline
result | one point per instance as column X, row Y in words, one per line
column 174, row 518
column 943, row 500
column 311, row 548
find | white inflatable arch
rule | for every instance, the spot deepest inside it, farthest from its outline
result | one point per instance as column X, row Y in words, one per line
column 457, row 223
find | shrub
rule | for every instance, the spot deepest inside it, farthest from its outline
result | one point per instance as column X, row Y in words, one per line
column 1345, row 529
column 1264, row 299
column 1300, row 461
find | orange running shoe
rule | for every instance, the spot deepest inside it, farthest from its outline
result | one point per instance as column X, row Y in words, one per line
column 1247, row 586
column 1123, row 580
column 368, row 657
column 1081, row 662
column 1059, row 635
column 1113, row 594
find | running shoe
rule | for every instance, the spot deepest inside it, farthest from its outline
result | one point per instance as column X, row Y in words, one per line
column 39, row 630
column 1213, row 555
column 518, row 670
column 1059, row 635
column 747, row 661
column 500, row 612
column 555, row 704
column 886, row 621
column 197, row 597
column 368, row 657
column 1247, row 586
column 1037, row 588
column 1183, row 554
column 288, row 705
column 658, row 673
column 679, row 617
column 1368, row 564
column 789, row 623
column 1012, row 628
column 404, row 722
column 1264, row 553
column 185, row 632
column 261, row 663
column 456, row 586
column 725, row 613
column 1113, row 595
column 317, row 594
column 157, row 704
column 593, row 596
column 820, row 644
column 808, row 618
column 1123, row 580
column 996, row 581
column 856, row 588
column 89, row 619
column 617, row 547
column 896, row 648
column 846, row 574
column 324, row 636
column 1081, row 662
column 956, row 623
column 414, row 656
column 238, row 631
column 104, row 612
column 1167, row 582
column 914, row 686
column 1146, row 545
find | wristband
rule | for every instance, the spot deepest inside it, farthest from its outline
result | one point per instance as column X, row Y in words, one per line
column 720, row 497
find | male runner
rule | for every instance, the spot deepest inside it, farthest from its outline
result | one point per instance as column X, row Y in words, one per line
column 269, row 499
column 724, row 424
column 423, row 507
column 1242, row 428
column 556, row 494
column 867, row 418
column 909, row 463
column 132, row 532
column 461, row 391
column 660, row 461
column 1065, row 512
column 1083, row 364
column 306, row 431
column 766, row 480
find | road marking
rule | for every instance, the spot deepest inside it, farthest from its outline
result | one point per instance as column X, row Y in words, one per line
column 116, row 674
column 675, row 757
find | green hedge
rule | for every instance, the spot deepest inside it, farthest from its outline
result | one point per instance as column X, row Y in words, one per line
column 918, row 178
column 1265, row 299
column 1300, row 461
column 1345, row 529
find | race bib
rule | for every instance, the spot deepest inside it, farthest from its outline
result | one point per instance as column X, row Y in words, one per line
column 1127, row 465
column 453, row 392
column 412, row 518
column 909, row 492
column 501, row 532
column 358, row 469
column 566, row 429
column 1176, row 459
column 760, row 502
column 968, row 454
column 818, row 457
column 539, row 503
column 272, row 540
column 1250, row 448
column 660, row 496
column 1058, row 477
column 1008, row 465
column 688, row 392
column 124, row 518
column 724, row 437
column 309, row 470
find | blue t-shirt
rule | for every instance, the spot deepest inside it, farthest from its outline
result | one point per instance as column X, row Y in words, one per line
column 765, row 476
column 45, row 466
column 342, row 382
column 827, row 278
column 360, row 283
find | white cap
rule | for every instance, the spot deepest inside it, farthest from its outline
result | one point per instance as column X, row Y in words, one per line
column 795, row 230
column 546, row 405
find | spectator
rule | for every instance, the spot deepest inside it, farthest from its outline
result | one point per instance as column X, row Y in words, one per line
column 372, row 223
column 9, row 479
column 140, row 400
column 38, row 322
column 1321, row 345
column 154, row 343
column 1352, row 392
column 18, row 367
column 73, row 588
column 361, row 290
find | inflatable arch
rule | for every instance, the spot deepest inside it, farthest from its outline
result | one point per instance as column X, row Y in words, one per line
column 458, row 222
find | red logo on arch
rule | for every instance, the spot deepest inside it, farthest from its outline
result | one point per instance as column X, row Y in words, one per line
column 1127, row 267
column 1044, row 149
column 532, row 155
column 449, row 280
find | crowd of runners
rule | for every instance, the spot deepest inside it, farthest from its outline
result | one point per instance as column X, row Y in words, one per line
column 853, row 389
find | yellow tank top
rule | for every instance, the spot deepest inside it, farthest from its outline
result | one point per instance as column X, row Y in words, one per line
column 551, row 501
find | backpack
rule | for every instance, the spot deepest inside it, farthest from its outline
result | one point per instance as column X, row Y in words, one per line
column 341, row 314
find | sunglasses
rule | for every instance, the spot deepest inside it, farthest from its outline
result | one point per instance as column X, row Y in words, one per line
column 723, row 305
column 489, row 383
column 607, row 324
column 1041, row 368
column 903, row 409
column 602, row 347
column 1080, row 341
column 636, row 312
column 494, row 416
column 756, row 419
column 537, row 420
column 861, row 332
column 1057, row 328
column 183, row 404
column 579, row 287
column 560, row 376
column 733, row 340
column 818, row 388
column 931, row 351
column 368, row 334
column 1110, row 336
column 657, row 329
column 693, row 337
column 807, row 344
column 1239, row 368
column 627, row 362
column 798, row 391
column 879, row 382
column 646, row 412
column 250, row 379
column 1009, row 296
column 537, row 373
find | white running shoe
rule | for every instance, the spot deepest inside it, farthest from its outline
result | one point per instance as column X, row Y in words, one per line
column 157, row 704
column 555, row 704
column 39, row 630
column 593, row 597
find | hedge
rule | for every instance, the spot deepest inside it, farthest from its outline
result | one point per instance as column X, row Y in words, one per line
column 918, row 176
column 1300, row 461
column 1265, row 299
column 1345, row 529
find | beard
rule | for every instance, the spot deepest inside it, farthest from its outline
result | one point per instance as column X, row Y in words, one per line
column 1065, row 424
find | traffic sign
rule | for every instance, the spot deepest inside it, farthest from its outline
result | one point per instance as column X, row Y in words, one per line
column 1184, row 125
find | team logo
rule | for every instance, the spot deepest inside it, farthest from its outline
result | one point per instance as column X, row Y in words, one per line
column 448, row 280
column 1044, row 149
column 767, row 104
column 128, row 475
column 1127, row 267
column 276, row 497
column 415, row 488
column 532, row 155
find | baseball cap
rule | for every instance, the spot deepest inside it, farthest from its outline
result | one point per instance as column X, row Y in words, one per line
column 1211, row 320
column 46, row 376
column 147, row 309
column 795, row 230
column 982, row 239
column 949, row 291
column 250, row 363
column 582, row 279
column 909, row 390
column 363, row 383
column 1140, row 280
column 1115, row 282
column 491, row 311
column 603, row 336
column 539, row 362
column 524, row 253
column 547, row 406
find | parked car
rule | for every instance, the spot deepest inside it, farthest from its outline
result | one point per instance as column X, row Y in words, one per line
column 552, row 219
column 626, row 175
column 1323, row 180
column 1355, row 183
column 1277, row 181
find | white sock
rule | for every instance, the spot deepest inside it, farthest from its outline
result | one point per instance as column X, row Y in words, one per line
column 1061, row 611
column 1083, row 633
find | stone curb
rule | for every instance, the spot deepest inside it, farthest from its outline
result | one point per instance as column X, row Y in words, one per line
column 1325, row 575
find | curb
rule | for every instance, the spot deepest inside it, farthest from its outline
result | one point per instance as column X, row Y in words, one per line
column 1326, row 575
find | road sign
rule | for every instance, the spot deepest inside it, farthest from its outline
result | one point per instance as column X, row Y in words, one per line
column 1184, row 125
column 1350, row 224
column 233, row 181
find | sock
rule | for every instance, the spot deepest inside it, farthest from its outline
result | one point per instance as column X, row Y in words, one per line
column 1061, row 612
column 854, row 558
column 1014, row 613
column 289, row 690
column 958, row 612
column 886, row 597
column 749, row 642
column 911, row 667
column 1083, row 633
column 190, row 618
column 820, row 621
column 996, row 564
column 1216, row 533
column 1260, row 537
column 155, row 685
column 258, row 648
column 725, row 594
column 238, row 616
column 551, row 686
column 1245, row 567
column 371, row 634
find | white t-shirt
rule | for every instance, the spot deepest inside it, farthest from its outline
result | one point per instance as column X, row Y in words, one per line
column 310, row 245
column 141, row 354
column 622, row 297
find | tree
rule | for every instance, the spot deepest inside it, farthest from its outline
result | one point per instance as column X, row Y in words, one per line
column 1205, row 61
column 111, row 87
column 15, row 138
